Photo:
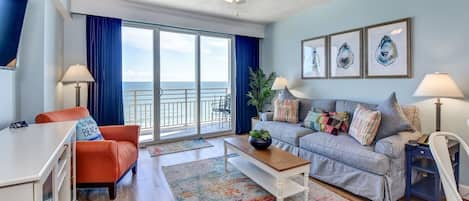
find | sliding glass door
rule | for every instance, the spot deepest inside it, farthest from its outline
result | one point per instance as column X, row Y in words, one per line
column 177, row 83
column 215, row 79
column 137, row 77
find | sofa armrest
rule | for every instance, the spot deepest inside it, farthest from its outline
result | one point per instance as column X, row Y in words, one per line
column 97, row 161
column 266, row 116
column 128, row 133
column 394, row 146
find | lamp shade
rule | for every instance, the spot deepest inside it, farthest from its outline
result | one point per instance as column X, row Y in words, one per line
column 77, row 73
column 280, row 83
column 439, row 85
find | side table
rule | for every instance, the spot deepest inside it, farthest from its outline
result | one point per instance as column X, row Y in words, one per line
column 419, row 158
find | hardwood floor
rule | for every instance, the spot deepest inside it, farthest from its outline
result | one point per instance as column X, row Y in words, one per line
column 149, row 184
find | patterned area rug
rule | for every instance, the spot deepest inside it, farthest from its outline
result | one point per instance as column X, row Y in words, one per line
column 186, row 145
column 207, row 181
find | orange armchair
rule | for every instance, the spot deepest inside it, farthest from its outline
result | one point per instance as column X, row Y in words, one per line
column 101, row 163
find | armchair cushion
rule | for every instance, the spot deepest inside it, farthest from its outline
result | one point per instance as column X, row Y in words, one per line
column 96, row 161
column 394, row 146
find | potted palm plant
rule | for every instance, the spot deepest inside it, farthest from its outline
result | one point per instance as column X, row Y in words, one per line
column 260, row 92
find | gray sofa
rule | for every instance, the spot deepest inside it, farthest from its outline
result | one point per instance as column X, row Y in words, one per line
column 376, row 172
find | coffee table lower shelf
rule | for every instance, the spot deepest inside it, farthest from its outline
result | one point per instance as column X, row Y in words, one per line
column 264, row 179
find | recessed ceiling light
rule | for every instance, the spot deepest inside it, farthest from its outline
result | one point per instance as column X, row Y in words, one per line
column 236, row 1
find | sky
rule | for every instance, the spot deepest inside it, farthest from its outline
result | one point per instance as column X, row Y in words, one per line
column 177, row 56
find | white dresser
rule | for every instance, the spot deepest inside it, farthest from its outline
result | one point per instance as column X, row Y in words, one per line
column 36, row 163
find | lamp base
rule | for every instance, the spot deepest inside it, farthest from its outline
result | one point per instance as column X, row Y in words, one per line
column 77, row 94
column 438, row 114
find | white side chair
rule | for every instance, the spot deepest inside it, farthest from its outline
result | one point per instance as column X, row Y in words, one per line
column 439, row 147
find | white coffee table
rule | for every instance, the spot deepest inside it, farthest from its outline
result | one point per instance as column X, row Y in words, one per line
column 272, row 168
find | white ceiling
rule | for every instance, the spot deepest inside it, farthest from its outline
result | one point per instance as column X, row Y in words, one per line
column 259, row 11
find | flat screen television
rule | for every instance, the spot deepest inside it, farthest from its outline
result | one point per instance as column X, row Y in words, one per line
column 12, row 14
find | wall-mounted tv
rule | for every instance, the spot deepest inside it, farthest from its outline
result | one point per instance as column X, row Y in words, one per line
column 11, row 23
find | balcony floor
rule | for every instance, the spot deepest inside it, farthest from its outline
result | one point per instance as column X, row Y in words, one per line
column 185, row 131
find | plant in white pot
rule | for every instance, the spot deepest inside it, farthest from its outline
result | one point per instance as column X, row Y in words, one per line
column 261, row 91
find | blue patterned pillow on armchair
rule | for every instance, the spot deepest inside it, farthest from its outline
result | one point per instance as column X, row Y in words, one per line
column 87, row 130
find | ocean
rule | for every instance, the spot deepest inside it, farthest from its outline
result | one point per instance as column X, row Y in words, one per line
column 177, row 102
column 172, row 85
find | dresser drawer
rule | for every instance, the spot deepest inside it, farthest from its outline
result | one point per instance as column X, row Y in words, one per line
column 22, row 192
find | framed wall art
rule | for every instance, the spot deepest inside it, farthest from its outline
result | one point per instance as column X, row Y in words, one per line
column 388, row 50
column 345, row 54
column 314, row 58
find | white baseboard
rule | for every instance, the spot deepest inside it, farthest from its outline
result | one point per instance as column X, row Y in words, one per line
column 464, row 191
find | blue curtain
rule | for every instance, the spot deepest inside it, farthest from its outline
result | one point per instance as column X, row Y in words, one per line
column 247, row 56
column 104, row 56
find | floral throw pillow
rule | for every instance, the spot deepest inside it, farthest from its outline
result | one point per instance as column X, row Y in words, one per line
column 87, row 130
column 328, row 122
column 365, row 125
column 286, row 110
column 334, row 122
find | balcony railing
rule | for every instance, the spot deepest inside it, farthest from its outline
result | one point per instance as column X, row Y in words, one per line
column 178, row 108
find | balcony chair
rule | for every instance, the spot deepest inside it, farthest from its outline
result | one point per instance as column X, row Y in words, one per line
column 439, row 148
column 223, row 108
column 101, row 163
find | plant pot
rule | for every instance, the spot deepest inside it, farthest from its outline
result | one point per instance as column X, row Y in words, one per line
column 260, row 144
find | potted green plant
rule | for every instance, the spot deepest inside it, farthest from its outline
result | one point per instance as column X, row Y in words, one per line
column 260, row 92
column 260, row 139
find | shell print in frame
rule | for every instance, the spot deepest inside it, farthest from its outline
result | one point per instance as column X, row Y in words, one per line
column 345, row 56
column 386, row 53
column 316, row 62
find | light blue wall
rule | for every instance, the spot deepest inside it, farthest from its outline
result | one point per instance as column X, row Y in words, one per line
column 440, row 43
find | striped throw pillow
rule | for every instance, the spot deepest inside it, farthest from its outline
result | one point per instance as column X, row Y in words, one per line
column 311, row 120
column 286, row 110
column 365, row 124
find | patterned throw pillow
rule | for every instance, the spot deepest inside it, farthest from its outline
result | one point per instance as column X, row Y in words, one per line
column 311, row 120
column 286, row 110
column 329, row 122
column 334, row 122
column 365, row 125
column 87, row 130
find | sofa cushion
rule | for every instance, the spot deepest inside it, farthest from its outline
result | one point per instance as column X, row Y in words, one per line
column 345, row 149
column 349, row 106
column 412, row 114
column 311, row 120
column 321, row 104
column 286, row 132
column 286, row 110
column 364, row 125
column 393, row 119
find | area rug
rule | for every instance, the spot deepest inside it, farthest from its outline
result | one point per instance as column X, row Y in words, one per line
column 206, row 181
column 186, row 145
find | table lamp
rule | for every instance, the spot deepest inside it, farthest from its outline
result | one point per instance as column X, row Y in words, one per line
column 438, row 85
column 280, row 83
column 77, row 74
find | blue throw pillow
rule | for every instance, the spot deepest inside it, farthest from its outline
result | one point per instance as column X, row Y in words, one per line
column 87, row 130
column 393, row 119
